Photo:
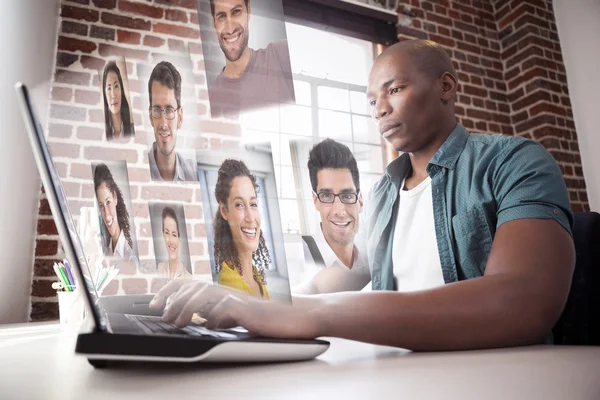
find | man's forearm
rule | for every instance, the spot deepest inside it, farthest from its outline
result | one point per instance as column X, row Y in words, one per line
column 478, row 313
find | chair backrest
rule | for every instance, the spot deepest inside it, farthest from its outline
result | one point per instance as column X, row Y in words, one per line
column 579, row 323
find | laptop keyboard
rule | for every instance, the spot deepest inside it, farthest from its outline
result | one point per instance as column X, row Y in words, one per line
column 152, row 325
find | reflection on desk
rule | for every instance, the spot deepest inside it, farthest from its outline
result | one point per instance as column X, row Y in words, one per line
column 37, row 361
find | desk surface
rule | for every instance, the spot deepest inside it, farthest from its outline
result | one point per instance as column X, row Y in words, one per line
column 37, row 361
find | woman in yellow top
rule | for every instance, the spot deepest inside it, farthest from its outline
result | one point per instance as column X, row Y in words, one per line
column 241, row 252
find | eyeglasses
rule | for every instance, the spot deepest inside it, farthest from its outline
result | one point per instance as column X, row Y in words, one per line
column 169, row 112
column 328, row 197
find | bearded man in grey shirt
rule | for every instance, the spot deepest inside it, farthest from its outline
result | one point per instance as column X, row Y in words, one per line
column 251, row 79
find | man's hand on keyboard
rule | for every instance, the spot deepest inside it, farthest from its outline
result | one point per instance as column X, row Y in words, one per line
column 223, row 307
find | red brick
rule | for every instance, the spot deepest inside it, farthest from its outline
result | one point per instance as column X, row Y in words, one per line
column 43, row 267
column 87, row 97
column 134, row 285
column 466, row 27
column 153, row 41
column 82, row 171
column 200, row 230
column 102, row 32
column 111, row 289
column 126, row 22
column 223, row 128
column 468, row 47
column 128, row 37
column 46, row 247
column 43, row 311
column 444, row 41
column 202, row 267
column 197, row 248
column 46, row 227
column 176, row 30
column 72, row 77
column 535, row 122
column 439, row 19
column 96, row 116
column 194, row 18
column 191, row 4
column 515, row 13
column 474, row 91
column 60, row 130
column 176, row 45
column 166, row 193
column 106, row 4
column 68, row 113
column 141, row 9
column 106, row 50
column 141, row 175
column 111, row 154
column 65, row 59
column 61, row 93
column 546, row 108
column 533, row 98
column 94, row 63
column 74, row 28
column 176, row 15
column 72, row 44
column 66, row 150
column 79, row 14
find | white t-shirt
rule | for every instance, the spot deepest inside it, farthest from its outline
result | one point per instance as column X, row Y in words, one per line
column 335, row 276
column 415, row 254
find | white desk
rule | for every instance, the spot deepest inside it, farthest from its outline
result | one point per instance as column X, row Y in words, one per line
column 37, row 361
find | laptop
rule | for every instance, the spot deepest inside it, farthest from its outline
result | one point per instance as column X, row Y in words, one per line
column 123, row 328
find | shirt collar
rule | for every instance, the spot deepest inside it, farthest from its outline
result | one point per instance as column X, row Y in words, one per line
column 446, row 156
column 450, row 150
column 329, row 256
column 179, row 174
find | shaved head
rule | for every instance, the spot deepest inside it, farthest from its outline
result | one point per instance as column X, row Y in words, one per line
column 428, row 57
column 412, row 90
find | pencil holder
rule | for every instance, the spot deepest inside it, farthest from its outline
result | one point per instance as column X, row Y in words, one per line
column 70, row 307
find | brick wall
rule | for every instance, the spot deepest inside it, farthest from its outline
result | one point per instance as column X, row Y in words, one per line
column 509, row 64
column 506, row 53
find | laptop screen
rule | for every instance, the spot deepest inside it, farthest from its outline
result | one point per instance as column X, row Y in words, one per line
column 59, row 205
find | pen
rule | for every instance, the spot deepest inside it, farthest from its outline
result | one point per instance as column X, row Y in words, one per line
column 69, row 273
column 58, row 274
column 61, row 269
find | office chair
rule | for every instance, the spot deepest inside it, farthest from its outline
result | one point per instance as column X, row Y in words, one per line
column 579, row 323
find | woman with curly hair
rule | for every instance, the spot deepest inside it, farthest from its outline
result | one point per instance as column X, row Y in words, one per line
column 241, row 252
column 117, row 114
column 115, row 218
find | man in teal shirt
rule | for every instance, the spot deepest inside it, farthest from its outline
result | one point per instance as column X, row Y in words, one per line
column 499, row 217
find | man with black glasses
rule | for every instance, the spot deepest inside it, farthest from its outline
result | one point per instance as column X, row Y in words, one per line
column 332, row 261
column 166, row 116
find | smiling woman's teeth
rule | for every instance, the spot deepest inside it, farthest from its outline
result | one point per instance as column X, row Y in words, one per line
column 249, row 232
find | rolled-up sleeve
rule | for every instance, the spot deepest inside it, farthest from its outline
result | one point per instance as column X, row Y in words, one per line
column 528, row 183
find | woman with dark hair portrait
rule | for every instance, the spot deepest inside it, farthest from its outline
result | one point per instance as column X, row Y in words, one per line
column 116, row 236
column 117, row 114
column 241, row 253
column 173, row 268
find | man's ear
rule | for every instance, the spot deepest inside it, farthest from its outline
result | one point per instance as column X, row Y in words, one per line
column 360, row 202
column 315, row 199
column 449, row 85
column 150, row 116
column 223, row 211
column 180, row 115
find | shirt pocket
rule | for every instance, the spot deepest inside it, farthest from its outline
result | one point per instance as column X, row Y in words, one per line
column 472, row 242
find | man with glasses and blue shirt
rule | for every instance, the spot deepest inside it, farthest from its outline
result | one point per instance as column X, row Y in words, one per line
column 166, row 116
column 332, row 261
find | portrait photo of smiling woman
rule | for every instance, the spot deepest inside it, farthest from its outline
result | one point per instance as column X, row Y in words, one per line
column 118, row 117
column 111, row 188
column 170, row 241
column 240, row 206
column 241, row 253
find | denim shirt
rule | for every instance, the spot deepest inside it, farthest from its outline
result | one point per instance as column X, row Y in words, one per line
column 478, row 183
